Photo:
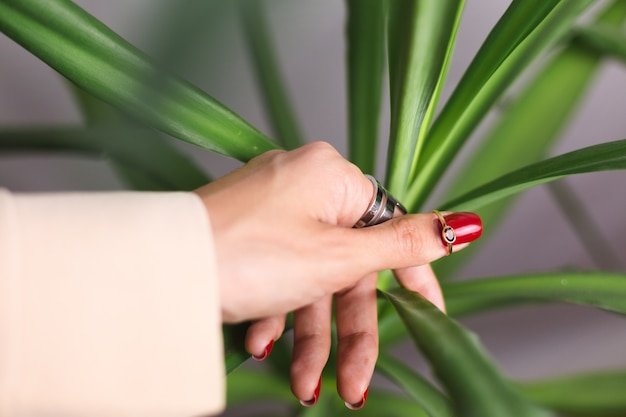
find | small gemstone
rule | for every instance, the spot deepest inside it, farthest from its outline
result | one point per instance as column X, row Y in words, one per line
column 449, row 235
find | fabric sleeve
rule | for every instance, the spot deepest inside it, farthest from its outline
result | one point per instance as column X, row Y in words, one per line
column 109, row 305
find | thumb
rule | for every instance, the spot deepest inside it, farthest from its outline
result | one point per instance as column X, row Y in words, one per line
column 411, row 240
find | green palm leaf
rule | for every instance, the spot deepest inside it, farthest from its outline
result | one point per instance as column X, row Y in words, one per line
column 604, row 38
column 421, row 37
column 430, row 398
column 604, row 157
column 604, row 290
column 365, row 64
column 476, row 386
column 597, row 394
column 93, row 57
column 159, row 163
column 265, row 63
column 526, row 29
column 529, row 124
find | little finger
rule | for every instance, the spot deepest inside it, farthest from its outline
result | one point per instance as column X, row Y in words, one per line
column 262, row 334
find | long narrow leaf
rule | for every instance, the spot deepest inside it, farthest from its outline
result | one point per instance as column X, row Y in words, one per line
column 599, row 289
column 528, row 126
column 157, row 160
column 253, row 386
column 92, row 56
column 365, row 64
column 541, row 23
column 598, row 247
column 605, row 39
column 430, row 398
column 390, row 327
column 520, row 19
column 273, row 90
column 604, row 157
column 181, row 171
column 421, row 38
column 234, row 349
column 597, row 394
column 548, row 102
column 475, row 385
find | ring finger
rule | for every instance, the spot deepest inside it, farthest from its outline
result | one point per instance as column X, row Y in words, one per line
column 311, row 347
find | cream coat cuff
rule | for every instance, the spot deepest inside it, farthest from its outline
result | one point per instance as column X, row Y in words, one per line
column 109, row 305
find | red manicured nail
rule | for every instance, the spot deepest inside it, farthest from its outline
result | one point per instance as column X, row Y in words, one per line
column 467, row 226
column 360, row 404
column 266, row 353
column 316, row 395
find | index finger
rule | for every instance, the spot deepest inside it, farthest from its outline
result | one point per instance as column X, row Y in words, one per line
column 407, row 241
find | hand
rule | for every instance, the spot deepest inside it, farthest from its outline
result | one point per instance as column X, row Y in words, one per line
column 284, row 242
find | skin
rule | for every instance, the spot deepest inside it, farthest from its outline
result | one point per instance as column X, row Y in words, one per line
column 283, row 233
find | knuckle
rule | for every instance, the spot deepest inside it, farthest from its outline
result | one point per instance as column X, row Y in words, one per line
column 266, row 157
column 361, row 337
column 321, row 147
column 321, row 153
column 409, row 236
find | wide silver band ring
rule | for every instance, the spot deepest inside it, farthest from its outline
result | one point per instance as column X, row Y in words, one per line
column 381, row 207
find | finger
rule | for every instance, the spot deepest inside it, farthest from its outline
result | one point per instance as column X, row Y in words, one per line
column 357, row 333
column 311, row 347
column 262, row 334
column 422, row 279
column 410, row 240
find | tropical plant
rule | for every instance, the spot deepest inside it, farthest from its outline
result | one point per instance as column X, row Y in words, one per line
column 542, row 39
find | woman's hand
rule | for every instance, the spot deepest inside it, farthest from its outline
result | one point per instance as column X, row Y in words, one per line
column 283, row 233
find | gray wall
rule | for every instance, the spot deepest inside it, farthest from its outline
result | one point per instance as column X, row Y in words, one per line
column 530, row 342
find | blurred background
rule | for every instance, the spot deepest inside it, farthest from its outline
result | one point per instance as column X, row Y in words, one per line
column 529, row 342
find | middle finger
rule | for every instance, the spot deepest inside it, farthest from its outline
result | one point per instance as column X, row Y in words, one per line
column 357, row 333
column 311, row 347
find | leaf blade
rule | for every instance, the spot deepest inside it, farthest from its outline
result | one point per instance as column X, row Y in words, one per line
column 421, row 38
column 365, row 65
column 278, row 105
column 182, row 173
column 158, row 160
column 604, row 39
column 475, row 385
column 528, row 126
column 92, row 56
column 603, row 157
column 543, row 22
column 599, row 289
column 243, row 387
column 234, row 345
column 595, row 394
column 435, row 403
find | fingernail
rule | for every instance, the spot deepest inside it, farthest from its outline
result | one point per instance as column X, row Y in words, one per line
column 360, row 404
column 266, row 353
column 316, row 395
column 467, row 226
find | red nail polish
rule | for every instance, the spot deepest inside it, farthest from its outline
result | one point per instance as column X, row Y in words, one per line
column 467, row 226
column 316, row 395
column 266, row 353
column 361, row 403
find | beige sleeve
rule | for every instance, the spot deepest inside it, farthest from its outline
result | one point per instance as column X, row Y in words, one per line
column 108, row 306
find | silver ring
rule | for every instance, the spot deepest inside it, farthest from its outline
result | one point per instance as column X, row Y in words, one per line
column 381, row 208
